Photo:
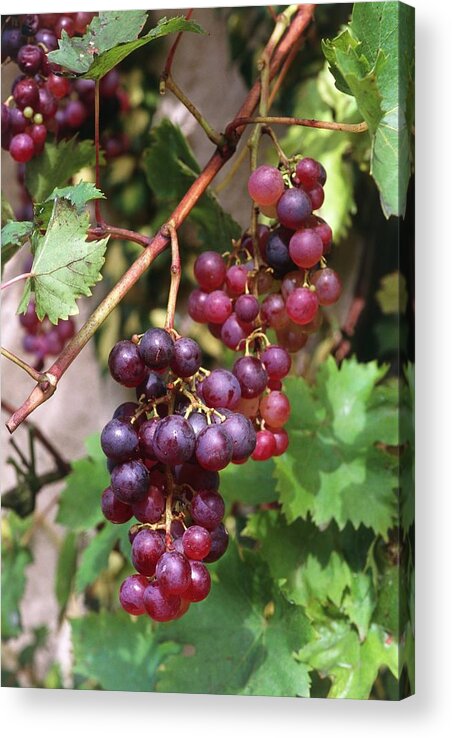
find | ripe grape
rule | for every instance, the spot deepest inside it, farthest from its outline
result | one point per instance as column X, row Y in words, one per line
column 151, row 387
column 251, row 375
column 233, row 332
column 187, row 357
column 316, row 196
column 200, row 582
column 29, row 59
column 173, row 573
column 246, row 308
column 197, row 306
column 328, row 286
column 266, row 185
column 130, row 481
column 131, row 594
column 276, row 361
column 159, row 606
column 242, row 434
column 281, row 439
column 308, row 172
column 218, row 307
column 305, row 248
column 26, row 93
column 277, row 252
column 293, row 208
column 150, row 509
column 22, row 148
column 302, row 305
column 119, row 440
column 275, row 409
column 196, row 542
column 156, row 348
column 221, row 389
column 146, row 437
column 210, row 271
column 113, row 509
column 220, row 542
column 236, row 279
column 273, row 311
column 126, row 365
column 147, row 548
column 174, row 440
column 265, row 446
column 213, row 448
column 207, row 509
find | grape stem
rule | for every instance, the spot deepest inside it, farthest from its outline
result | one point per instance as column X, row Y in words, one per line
column 159, row 242
column 287, row 121
column 19, row 278
column 34, row 374
column 170, row 58
column 175, row 277
column 124, row 234
column 217, row 138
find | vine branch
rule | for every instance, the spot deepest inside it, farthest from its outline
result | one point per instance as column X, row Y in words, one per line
column 288, row 121
column 160, row 241
column 175, row 278
column 34, row 374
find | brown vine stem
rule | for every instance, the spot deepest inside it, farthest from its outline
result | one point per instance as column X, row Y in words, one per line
column 19, row 278
column 160, row 241
column 287, row 121
column 169, row 61
column 122, row 233
column 213, row 135
column 175, row 278
column 34, row 374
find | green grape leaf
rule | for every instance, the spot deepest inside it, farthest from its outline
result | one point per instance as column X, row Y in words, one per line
column 79, row 505
column 251, row 483
column 94, row 558
column 317, row 98
column 373, row 60
column 359, row 602
column 14, row 235
column 240, row 640
column 336, row 469
column 65, row 264
column 79, row 195
column 171, row 168
column 66, row 568
column 15, row 559
column 119, row 654
column 352, row 666
column 110, row 38
column 56, row 165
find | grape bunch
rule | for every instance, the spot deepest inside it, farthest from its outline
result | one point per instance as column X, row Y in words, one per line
column 42, row 100
column 41, row 337
column 164, row 453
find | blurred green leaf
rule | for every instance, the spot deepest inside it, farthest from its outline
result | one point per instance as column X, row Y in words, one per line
column 94, row 559
column 14, row 235
column 79, row 506
column 66, row 568
column 16, row 557
column 56, row 165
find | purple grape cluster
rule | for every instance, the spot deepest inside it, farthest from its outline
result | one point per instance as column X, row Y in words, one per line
column 41, row 337
column 164, row 453
column 43, row 101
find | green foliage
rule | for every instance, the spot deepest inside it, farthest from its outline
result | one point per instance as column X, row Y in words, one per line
column 56, row 165
column 250, row 484
column 79, row 195
column 94, row 558
column 14, row 235
column 110, row 38
column 171, row 168
column 66, row 568
column 65, row 264
column 334, row 469
column 241, row 640
column 392, row 296
column 16, row 556
column 115, row 653
column 373, row 60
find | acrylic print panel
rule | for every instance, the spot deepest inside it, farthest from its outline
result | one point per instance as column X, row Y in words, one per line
column 219, row 497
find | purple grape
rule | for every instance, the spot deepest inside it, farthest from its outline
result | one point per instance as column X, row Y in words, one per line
column 293, row 207
column 126, row 365
column 197, row 477
column 220, row 542
column 75, row 114
column 174, row 440
column 126, row 411
column 30, row 25
column 151, row 387
column 236, row 279
column 197, row 306
column 160, row 607
column 131, row 594
column 29, row 59
column 246, row 308
column 151, row 508
column 210, row 271
column 242, row 434
column 207, row 509
column 218, row 307
column 265, row 185
column 22, row 148
column 276, row 361
column 252, row 376
column 328, row 286
column 147, row 548
column 26, row 93
column 233, row 332
column 306, row 248
column 200, row 582
column 196, row 542
column 302, row 305
column 308, row 172
column 17, row 121
column 221, row 389
column 213, row 448
column 146, row 436
column 119, row 440
column 198, row 422
column 130, row 481
column 173, row 573
column 277, row 252
column 47, row 37
column 157, row 348
column 187, row 357
column 113, row 509
column 12, row 41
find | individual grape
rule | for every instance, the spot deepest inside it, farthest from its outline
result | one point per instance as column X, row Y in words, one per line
column 177, row 530
column 126, row 365
column 221, row 389
column 291, row 281
column 29, row 320
column 306, row 248
column 119, row 440
column 242, row 434
column 207, row 509
column 265, row 446
column 281, row 439
column 252, row 376
column 109, row 83
column 316, row 196
column 233, row 332
column 277, row 252
column 160, row 607
column 30, row 24
column 197, row 306
column 64, row 23
column 156, row 348
column 293, row 207
column 66, row 329
column 236, row 279
column 147, row 548
column 113, row 509
column 12, row 40
column 275, row 409
column 323, row 230
column 22, row 148
column 265, row 185
column 17, row 121
column 220, row 542
column 53, row 343
column 59, row 87
column 246, row 308
column 213, row 448
column 173, row 573
column 210, row 271
column 218, row 307
column 322, row 177
column 328, row 286
column 197, row 477
column 39, row 134
column 48, row 105
column 130, row 481
column 174, row 440
column 146, row 437
column 196, row 542
column 292, row 337
column 29, row 59
column 126, row 411
column 151, row 387
column 198, row 422
column 273, row 311
column 200, row 582
column 82, row 20
column 75, row 113
column 26, row 93
column 131, row 594
column 276, row 361
column 47, row 38
column 308, row 172
column 302, row 305
column 187, row 357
